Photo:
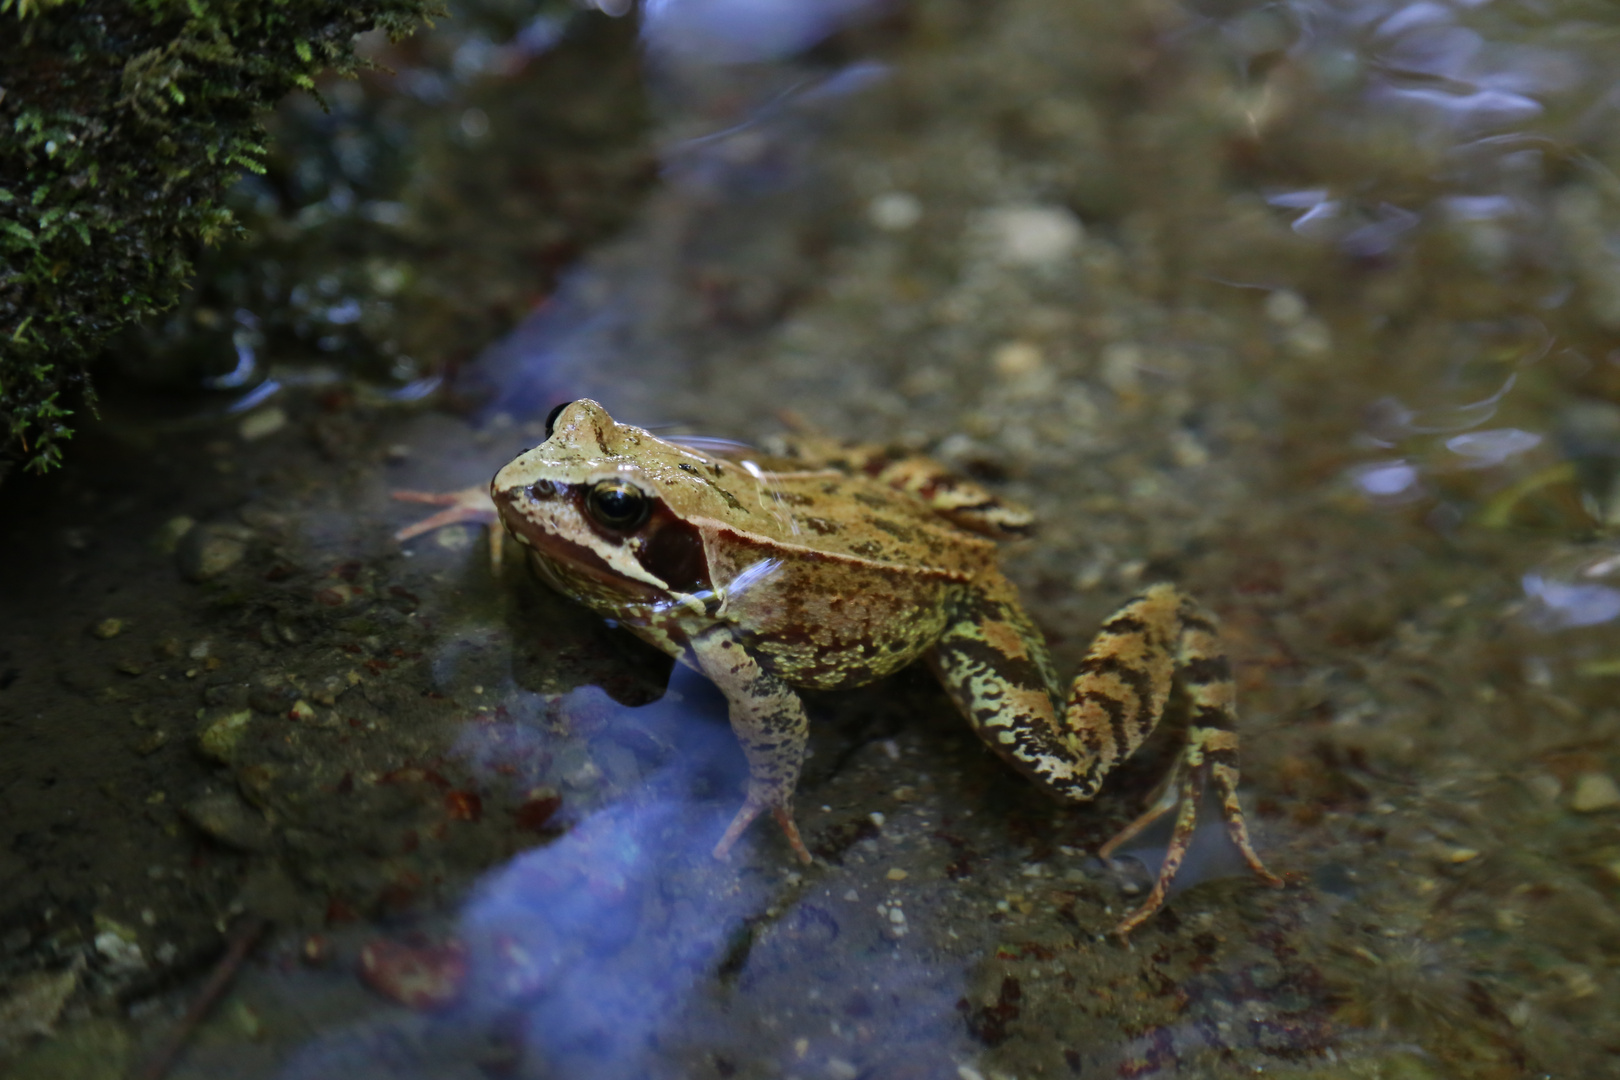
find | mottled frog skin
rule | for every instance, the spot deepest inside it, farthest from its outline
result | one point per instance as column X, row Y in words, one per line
column 832, row 567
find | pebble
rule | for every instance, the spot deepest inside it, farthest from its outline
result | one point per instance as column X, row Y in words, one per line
column 118, row 952
column 1594, row 791
column 209, row 550
column 174, row 530
column 1285, row 308
column 418, row 977
column 1033, row 235
column 226, row 818
column 218, row 740
column 1016, row 359
column 894, row 211
column 32, row 1003
column 107, row 628
column 262, row 422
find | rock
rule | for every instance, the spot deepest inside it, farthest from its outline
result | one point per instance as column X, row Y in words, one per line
column 96, row 1049
column 1594, row 791
column 31, row 1004
column 261, row 422
column 1032, row 235
column 417, row 976
column 218, row 740
column 209, row 550
column 107, row 628
column 225, row 817
column 894, row 211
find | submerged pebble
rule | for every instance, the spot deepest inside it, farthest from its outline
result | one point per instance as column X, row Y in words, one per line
column 207, row 551
column 1594, row 791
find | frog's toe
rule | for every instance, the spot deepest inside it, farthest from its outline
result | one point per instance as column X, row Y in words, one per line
column 471, row 504
column 751, row 809
column 790, row 829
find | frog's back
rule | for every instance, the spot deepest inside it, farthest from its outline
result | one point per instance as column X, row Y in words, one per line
column 852, row 516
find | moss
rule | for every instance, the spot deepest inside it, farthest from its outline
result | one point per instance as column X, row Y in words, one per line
column 126, row 123
column 388, row 242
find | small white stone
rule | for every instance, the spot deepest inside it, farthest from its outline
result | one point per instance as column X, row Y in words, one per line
column 894, row 211
column 1014, row 359
column 121, row 955
column 839, row 1069
column 1594, row 791
column 1311, row 338
column 877, row 818
column 1033, row 235
column 897, row 916
column 852, row 895
column 258, row 424
column 1285, row 308
column 968, row 1072
column 1121, row 366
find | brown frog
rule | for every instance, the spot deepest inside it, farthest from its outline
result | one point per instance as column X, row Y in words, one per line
column 832, row 567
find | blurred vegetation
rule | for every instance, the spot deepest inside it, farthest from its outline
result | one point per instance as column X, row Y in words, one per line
column 127, row 122
column 411, row 216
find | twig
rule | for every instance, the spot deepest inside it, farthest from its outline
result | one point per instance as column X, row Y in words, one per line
column 243, row 937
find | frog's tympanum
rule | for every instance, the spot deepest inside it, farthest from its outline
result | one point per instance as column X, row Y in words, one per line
column 832, row 567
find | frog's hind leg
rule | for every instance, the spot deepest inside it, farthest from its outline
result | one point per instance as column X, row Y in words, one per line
column 992, row 661
column 1118, row 659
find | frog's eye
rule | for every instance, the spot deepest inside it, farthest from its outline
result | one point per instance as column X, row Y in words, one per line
column 617, row 505
column 551, row 417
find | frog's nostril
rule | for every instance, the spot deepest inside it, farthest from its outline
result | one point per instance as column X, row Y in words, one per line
column 543, row 490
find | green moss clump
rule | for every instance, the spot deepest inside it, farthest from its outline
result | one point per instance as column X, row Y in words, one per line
column 124, row 123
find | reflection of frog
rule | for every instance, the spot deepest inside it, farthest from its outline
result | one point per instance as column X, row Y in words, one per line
column 835, row 567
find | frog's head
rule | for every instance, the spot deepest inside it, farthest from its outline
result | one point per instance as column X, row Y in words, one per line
column 609, row 508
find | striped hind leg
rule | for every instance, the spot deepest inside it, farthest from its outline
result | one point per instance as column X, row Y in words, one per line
column 1125, row 655
column 994, row 663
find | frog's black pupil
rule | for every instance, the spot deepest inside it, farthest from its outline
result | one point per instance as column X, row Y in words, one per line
column 551, row 417
column 617, row 504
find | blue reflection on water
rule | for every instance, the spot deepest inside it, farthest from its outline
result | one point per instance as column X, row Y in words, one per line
column 1576, row 588
column 573, row 937
column 742, row 31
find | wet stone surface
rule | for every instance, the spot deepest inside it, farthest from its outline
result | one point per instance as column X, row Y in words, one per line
column 1077, row 252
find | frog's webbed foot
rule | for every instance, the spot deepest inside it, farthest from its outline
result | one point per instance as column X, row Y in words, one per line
column 1210, row 754
column 469, row 505
column 769, row 721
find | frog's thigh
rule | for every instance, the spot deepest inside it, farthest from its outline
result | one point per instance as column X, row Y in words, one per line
column 769, row 720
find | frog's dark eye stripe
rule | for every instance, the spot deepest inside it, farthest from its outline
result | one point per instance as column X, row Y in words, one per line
column 617, row 505
column 551, row 417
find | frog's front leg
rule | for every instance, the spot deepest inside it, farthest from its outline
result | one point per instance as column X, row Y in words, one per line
column 994, row 663
column 472, row 504
column 769, row 720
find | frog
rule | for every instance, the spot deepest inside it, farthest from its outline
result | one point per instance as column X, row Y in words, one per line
column 822, row 566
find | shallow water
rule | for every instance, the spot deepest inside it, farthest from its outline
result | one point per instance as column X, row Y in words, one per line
column 1309, row 307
